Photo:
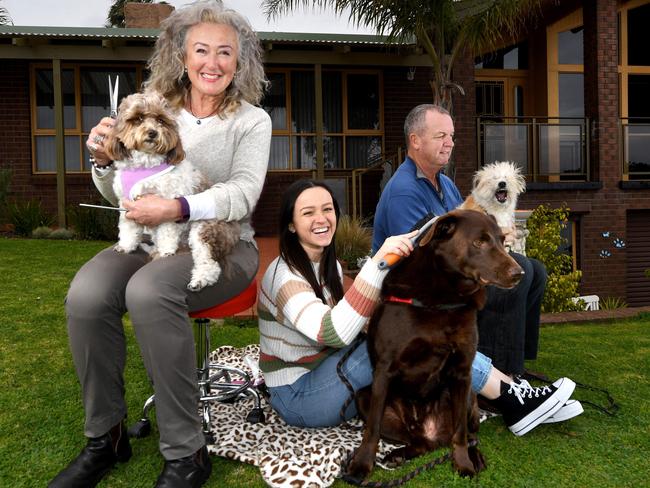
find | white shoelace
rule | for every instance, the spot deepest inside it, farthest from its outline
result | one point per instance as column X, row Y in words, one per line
column 524, row 389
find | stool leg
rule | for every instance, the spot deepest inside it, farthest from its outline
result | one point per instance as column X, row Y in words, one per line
column 142, row 428
column 202, row 347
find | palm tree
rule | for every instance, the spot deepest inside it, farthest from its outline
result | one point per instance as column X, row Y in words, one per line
column 444, row 29
column 5, row 18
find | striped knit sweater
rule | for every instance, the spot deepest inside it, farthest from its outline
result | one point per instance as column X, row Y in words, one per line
column 298, row 331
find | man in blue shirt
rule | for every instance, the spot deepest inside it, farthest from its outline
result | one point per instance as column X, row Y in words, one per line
column 509, row 323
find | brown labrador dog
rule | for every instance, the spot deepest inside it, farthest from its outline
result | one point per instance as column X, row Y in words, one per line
column 422, row 349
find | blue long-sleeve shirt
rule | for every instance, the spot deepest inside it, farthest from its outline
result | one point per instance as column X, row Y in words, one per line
column 409, row 196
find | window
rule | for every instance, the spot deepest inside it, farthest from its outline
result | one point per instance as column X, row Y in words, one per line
column 352, row 118
column 571, row 94
column 638, row 93
column 637, row 47
column 512, row 57
column 85, row 102
column 570, row 46
column 570, row 234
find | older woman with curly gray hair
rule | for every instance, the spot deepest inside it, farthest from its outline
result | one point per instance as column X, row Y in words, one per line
column 207, row 64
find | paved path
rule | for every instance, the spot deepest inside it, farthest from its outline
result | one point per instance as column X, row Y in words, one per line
column 592, row 316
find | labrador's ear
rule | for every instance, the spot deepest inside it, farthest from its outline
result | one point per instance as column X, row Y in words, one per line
column 427, row 236
column 114, row 148
column 444, row 228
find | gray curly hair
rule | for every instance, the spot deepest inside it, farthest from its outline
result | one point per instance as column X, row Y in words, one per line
column 167, row 64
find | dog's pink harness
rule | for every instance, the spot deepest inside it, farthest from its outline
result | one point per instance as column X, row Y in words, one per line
column 132, row 176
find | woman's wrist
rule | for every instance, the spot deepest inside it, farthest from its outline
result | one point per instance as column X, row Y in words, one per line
column 100, row 163
column 183, row 212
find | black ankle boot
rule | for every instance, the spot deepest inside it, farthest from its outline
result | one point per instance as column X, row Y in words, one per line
column 188, row 472
column 95, row 460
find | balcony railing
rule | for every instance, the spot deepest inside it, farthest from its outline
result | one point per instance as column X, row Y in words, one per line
column 635, row 148
column 546, row 148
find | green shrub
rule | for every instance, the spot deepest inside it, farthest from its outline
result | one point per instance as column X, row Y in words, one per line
column 93, row 223
column 611, row 303
column 27, row 215
column 543, row 243
column 5, row 180
column 62, row 234
column 353, row 240
column 41, row 233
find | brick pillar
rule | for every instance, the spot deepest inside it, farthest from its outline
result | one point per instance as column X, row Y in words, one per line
column 601, row 87
column 602, row 107
column 464, row 109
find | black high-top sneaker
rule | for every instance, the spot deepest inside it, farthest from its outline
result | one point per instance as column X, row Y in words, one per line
column 524, row 407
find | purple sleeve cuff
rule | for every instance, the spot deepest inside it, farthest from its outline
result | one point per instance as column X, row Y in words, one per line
column 185, row 209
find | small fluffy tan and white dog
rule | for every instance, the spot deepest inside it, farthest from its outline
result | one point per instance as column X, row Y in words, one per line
column 149, row 159
column 495, row 190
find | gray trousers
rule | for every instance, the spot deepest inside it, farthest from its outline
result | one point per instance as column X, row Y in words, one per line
column 156, row 297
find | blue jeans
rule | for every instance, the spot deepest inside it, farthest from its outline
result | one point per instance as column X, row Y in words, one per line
column 316, row 398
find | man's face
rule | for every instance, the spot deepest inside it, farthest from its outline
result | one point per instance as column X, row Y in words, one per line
column 434, row 144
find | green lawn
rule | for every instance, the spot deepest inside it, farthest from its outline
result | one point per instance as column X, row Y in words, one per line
column 41, row 415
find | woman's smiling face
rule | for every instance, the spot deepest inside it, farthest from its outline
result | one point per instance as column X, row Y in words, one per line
column 314, row 221
column 211, row 52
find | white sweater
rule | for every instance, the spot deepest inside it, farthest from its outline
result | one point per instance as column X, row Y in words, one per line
column 233, row 153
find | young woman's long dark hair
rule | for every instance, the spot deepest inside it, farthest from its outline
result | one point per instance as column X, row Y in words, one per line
column 294, row 254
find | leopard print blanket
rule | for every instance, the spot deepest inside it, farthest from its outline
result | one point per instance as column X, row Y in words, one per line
column 287, row 456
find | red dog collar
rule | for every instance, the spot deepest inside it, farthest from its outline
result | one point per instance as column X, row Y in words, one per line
column 417, row 303
column 399, row 300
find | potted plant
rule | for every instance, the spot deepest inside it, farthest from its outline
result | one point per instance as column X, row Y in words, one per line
column 353, row 241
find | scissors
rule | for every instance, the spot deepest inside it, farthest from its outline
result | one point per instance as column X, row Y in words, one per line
column 391, row 259
column 113, row 94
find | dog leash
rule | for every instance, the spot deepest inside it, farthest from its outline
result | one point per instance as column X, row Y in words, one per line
column 339, row 371
column 404, row 479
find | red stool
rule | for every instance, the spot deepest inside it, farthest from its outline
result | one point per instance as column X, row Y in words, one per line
column 217, row 382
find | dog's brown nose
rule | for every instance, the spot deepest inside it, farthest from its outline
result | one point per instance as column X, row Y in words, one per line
column 152, row 133
column 516, row 273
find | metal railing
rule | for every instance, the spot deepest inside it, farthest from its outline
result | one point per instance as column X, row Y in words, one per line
column 546, row 148
column 635, row 148
column 382, row 167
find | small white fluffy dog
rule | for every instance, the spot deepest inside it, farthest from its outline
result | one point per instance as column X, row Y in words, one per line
column 149, row 159
column 495, row 190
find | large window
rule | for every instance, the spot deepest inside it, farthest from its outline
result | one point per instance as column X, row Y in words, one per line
column 634, row 75
column 85, row 102
column 638, row 53
column 352, row 118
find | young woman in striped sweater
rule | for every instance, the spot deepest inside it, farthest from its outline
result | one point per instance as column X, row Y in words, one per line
column 307, row 322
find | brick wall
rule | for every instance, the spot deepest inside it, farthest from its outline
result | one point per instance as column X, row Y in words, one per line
column 15, row 138
column 400, row 96
column 266, row 215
